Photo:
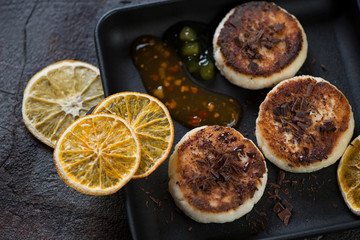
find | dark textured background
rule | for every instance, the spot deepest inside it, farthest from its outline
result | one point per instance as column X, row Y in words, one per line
column 34, row 202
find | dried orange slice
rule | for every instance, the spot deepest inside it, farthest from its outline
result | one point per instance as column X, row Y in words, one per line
column 348, row 175
column 57, row 95
column 97, row 154
column 151, row 122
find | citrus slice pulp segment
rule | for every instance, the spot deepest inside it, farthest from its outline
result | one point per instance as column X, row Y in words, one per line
column 348, row 175
column 151, row 122
column 57, row 95
column 353, row 197
column 97, row 154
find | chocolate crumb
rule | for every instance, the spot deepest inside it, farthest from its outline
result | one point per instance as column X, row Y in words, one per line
column 254, row 231
column 286, row 220
column 275, row 195
column 323, row 67
column 285, row 190
column 274, row 185
column 261, row 223
column 284, row 216
column 271, row 196
column 287, row 205
column 335, row 205
column 286, row 181
column 278, row 207
column 157, row 202
column 260, row 213
column 281, row 177
column 189, row 228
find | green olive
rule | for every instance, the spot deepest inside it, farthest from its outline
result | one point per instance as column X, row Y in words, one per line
column 188, row 34
column 207, row 70
column 192, row 64
column 192, row 41
column 190, row 49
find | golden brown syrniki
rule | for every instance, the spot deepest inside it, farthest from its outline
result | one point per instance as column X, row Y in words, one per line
column 259, row 44
column 304, row 124
column 216, row 175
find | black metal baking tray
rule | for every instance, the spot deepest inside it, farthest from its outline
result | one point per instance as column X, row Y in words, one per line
column 332, row 29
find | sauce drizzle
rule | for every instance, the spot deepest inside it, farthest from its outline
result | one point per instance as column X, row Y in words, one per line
column 164, row 76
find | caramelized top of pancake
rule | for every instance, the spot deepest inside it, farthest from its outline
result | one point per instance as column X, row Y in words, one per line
column 303, row 120
column 259, row 39
column 218, row 169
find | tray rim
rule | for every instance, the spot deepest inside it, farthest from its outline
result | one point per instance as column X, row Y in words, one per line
column 99, row 52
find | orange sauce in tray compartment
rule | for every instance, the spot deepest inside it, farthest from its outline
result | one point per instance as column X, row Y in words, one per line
column 164, row 77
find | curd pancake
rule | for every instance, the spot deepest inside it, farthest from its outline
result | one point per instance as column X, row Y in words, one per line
column 216, row 175
column 304, row 124
column 259, row 44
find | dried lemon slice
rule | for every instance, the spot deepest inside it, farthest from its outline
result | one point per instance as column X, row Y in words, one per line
column 151, row 122
column 348, row 175
column 57, row 95
column 97, row 154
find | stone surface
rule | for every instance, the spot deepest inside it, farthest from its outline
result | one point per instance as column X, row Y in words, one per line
column 35, row 203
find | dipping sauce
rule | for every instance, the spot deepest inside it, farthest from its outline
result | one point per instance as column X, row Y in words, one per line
column 192, row 42
column 164, row 77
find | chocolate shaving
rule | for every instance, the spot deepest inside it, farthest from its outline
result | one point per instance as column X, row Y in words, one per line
column 257, row 37
column 279, row 26
column 295, row 117
column 296, row 113
column 223, row 169
column 327, row 127
column 282, row 207
column 309, row 89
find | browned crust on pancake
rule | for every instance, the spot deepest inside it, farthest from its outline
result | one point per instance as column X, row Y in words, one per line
column 296, row 108
column 254, row 33
column 211, row 174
